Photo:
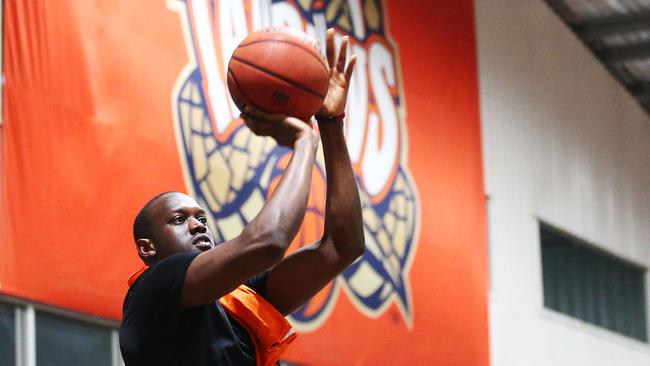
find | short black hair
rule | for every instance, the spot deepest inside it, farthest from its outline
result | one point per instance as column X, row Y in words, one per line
column 142, row 228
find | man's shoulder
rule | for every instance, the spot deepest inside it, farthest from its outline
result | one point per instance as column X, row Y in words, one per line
column 159, row 286
column 167, row 269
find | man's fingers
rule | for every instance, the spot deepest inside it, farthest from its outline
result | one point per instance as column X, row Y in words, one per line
column 250, row 124
column 261, row 116
column 258, row 128
column 329, row 47
column 253, row 112
column 350, row 69
column 293, row 123
column 343, row 53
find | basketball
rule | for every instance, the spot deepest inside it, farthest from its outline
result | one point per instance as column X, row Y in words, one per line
column 279, row 71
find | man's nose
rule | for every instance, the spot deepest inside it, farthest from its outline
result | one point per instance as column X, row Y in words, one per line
column 196, row 226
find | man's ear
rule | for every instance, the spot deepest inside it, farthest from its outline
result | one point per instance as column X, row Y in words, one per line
column 146, row 249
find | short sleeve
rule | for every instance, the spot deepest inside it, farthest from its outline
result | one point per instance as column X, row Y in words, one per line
column 155, row 298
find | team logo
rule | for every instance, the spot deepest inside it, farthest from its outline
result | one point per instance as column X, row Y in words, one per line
column 231, row 172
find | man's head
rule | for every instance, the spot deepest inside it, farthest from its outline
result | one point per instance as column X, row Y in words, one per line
column 168, row 224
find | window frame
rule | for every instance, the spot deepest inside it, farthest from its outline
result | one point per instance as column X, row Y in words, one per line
column 25, row 318
column 575, row 322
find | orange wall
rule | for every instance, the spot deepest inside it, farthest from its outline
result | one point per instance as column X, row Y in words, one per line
column 89, row 137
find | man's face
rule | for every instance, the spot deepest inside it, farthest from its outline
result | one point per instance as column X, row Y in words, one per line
column 179, row 225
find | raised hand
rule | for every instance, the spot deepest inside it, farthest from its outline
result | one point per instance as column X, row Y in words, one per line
column 334, row 103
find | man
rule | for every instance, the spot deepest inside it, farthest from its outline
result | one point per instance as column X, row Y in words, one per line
column 187, row 306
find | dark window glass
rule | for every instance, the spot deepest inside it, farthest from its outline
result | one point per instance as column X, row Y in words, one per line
column 593, row 286
column 7, row 335
column 60, row 341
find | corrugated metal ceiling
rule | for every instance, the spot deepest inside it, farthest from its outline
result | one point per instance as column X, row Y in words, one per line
column 618, row 33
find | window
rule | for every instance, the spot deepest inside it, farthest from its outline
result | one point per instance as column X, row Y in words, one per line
column 37, row 334
column 60, row 341
column 591, row 285
column 7, row 335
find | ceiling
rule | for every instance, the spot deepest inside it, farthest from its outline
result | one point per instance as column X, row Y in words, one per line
column 618, row 33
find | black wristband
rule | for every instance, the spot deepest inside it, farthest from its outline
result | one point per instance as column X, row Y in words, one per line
column 330, row 119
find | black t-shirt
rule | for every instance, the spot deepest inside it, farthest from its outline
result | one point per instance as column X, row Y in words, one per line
column 157, row 330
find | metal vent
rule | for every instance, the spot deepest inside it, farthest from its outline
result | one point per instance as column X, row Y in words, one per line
column 618, row 33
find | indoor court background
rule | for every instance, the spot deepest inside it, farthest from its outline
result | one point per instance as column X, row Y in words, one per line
column 501, row 148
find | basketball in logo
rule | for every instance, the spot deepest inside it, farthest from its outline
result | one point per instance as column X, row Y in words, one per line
column 231, row 172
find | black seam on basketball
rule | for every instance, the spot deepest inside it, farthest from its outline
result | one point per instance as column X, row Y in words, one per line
column 247, row 100
column 320, row 59
column 277, row 76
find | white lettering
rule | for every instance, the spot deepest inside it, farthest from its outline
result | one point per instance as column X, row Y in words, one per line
column 320, row 25
column 261, row 13
column 357, row 18
column 380, row 156
column 232, row 30
column 284, row 14
column 217, row 99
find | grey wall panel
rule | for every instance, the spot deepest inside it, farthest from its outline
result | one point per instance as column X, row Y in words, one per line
column 562, row 142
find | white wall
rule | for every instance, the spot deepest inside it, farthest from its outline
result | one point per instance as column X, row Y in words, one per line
column 564, row 143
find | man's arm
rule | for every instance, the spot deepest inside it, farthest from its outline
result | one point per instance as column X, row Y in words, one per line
column 302, row 274
column 265, row 239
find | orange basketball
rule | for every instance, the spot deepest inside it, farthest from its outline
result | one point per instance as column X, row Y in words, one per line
column 279, row 71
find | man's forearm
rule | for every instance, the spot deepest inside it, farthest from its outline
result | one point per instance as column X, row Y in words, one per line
column 343, row 222
column 282, row 215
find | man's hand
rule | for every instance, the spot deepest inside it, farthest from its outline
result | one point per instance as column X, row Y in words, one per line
column 334, row 103
column 286, row 131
